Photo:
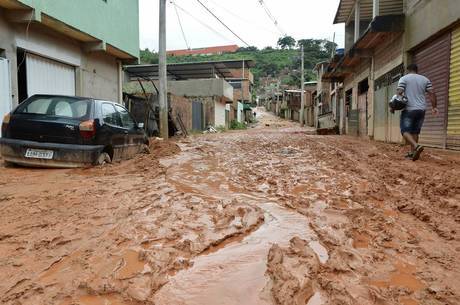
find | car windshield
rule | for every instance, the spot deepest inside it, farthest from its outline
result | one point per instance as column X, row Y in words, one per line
column 56, row 106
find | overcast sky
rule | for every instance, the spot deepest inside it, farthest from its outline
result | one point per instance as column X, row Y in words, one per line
column 247, row 18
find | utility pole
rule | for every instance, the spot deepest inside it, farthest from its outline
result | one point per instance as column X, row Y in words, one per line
column 162, row 74
column 302, row 87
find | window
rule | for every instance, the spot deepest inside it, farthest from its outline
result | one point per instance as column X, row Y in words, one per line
column 235, row 85
column 110, row 115
column 56, row 106
column 126, row 120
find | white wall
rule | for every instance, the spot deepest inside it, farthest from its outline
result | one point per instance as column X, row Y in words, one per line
column 240, row 112
column 44, row 43
column 99, row 77
column 219, row 117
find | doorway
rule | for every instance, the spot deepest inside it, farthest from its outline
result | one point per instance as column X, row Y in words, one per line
column 363, row 90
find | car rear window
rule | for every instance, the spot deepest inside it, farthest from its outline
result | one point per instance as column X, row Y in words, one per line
column 56, row 106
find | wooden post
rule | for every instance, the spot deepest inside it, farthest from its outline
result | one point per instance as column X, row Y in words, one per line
column 302, row 88
column 162, row 73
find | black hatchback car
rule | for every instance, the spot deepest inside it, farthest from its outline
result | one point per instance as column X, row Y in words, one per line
column 66, row 131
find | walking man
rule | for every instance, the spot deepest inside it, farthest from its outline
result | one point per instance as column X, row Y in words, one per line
column 415, row 87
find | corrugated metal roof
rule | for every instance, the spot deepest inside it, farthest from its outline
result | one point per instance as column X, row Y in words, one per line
column 196, row 70
column 387, row 7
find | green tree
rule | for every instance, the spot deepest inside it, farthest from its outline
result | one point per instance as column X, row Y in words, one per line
column 148, row 57
column 248, row 49
column 286, row 42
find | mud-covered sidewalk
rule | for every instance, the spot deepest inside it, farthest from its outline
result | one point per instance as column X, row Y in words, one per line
column 269, row 215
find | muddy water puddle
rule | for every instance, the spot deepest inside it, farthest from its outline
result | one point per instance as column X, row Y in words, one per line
column 235, row 274
column 232, row 272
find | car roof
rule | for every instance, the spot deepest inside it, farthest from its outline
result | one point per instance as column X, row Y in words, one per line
column 77, row 98
column 59, row 95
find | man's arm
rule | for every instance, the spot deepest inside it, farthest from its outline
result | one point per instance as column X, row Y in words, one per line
column 400, row 90
column 434, row 101
column 433, row 98
column 401, row 86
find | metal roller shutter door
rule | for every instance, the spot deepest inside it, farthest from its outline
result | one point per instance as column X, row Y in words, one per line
column 394, row 130
column 433, row 61
column 380, row 114
column 46, row 76
column 453, row 119
column 5, row 88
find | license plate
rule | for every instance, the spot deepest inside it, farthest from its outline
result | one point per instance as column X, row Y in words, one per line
column 39, row 154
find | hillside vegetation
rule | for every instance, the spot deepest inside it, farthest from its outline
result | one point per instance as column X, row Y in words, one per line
column 282, row 63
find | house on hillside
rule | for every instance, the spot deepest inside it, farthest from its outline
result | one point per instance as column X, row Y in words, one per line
column 381, row 38
column 290, row 106
column 218, row 50
column 65, row 47
column 242, row 81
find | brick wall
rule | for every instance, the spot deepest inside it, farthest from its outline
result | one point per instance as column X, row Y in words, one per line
column 238, row 93
column 209, row 110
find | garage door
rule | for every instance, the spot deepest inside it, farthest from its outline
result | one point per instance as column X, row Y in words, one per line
column 197, row 116
column 46, row 76
column 453, row 128
column 433, row 62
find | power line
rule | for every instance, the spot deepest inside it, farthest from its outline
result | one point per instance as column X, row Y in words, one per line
column 241, row 18
column 180, row 24
column 202, row 23
column 272, row 18
column 222, row 23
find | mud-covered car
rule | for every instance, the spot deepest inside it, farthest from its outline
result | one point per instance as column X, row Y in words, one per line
column 67, row 131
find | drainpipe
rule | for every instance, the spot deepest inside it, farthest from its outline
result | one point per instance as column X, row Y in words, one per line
column 357, row 19
column 120, row 81
column 376, row 9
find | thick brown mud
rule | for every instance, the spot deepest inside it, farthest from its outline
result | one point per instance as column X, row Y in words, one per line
column 270, row 215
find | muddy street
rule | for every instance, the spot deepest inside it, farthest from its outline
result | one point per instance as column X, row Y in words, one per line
column 268, row 215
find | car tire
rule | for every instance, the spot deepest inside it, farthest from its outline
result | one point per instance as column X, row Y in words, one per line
column 145, row 149
column 103, row 158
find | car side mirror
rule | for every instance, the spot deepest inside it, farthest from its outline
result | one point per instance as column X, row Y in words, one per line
column 140, row 125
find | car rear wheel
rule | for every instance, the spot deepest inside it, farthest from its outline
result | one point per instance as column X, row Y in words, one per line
column 145, row 149
column 103, row 158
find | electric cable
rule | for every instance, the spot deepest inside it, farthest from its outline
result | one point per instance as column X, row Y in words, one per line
column 236, row 35
column 202, row 23
column 241, row 18
column 181, row 28
column 272, row 18
column 27, row 39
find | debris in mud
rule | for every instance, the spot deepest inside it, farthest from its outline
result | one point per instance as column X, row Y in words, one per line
column 124, row 233
column 161, row 148
column 292, row 271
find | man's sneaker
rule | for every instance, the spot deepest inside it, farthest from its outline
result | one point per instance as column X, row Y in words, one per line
column 409, row 155
column 418, row 150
